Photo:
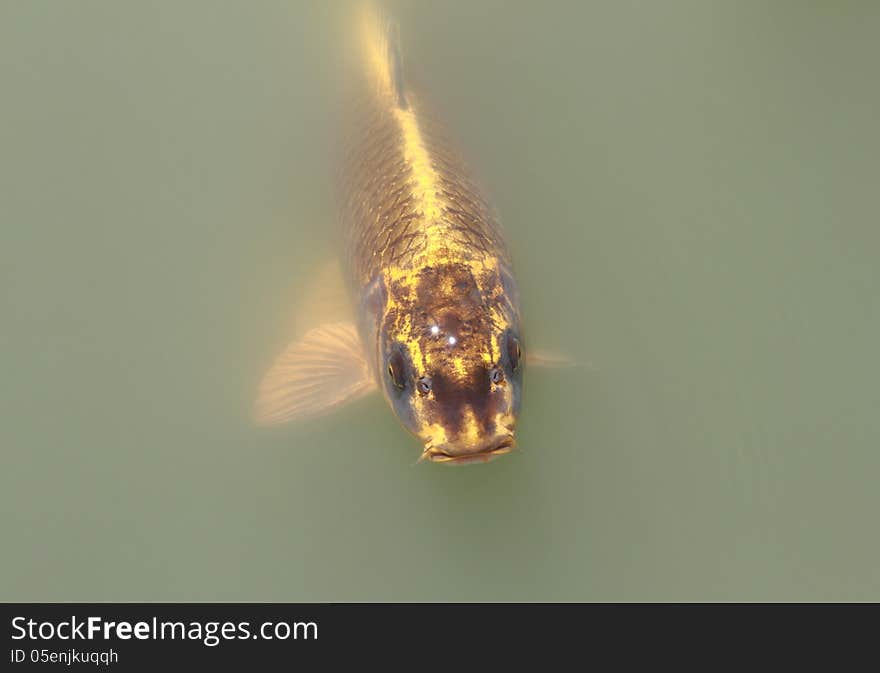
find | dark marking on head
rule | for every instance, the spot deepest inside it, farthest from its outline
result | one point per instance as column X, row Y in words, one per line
column 453, row 396
column 460, row 390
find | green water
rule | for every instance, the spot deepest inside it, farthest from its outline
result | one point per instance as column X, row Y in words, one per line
column 690, row 189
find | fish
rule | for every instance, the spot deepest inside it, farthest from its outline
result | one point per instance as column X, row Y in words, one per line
column 437, row 320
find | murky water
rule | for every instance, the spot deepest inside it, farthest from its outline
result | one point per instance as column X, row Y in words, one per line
column 690, row 189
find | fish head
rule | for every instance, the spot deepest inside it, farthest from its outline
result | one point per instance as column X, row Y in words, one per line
column 452, row 367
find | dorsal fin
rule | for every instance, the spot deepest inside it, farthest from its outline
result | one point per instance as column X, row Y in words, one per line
column 381, row 37
column 395, row 61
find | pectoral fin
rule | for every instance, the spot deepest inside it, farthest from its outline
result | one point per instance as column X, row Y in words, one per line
column 549, row 360
column 321, row 371
column 325, row 299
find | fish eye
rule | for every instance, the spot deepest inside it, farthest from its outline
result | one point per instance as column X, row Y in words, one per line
column 424, row 385
column 514, row 352
column 497, row 376
column 395, row 370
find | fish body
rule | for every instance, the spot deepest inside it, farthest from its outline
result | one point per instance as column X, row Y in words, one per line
column 429, row 273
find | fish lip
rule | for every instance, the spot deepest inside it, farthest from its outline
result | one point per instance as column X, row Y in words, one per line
column 437, row 455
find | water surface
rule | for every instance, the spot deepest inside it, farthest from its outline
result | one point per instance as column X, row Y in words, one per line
column 690, row 192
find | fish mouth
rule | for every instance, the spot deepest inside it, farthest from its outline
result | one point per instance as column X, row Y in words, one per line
column 484, row 454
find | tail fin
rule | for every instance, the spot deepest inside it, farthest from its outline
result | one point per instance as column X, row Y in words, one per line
column 381, row 39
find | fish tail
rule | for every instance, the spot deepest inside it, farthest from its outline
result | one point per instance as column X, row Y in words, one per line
column 381, row 44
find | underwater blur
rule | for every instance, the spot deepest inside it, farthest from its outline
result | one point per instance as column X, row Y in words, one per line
column 687, row 190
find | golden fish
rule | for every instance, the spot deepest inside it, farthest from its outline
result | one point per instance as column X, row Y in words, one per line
column 438, row 318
